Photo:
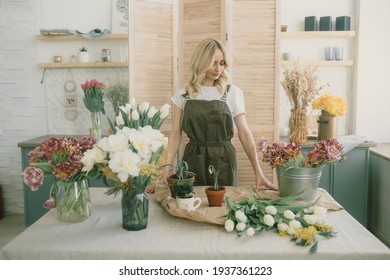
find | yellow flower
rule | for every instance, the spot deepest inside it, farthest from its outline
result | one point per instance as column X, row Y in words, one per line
column 334, row 105
column 323, row 227
column 308, row 234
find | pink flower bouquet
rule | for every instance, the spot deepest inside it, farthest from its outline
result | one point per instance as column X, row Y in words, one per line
column 290, row 154
column 60, row 158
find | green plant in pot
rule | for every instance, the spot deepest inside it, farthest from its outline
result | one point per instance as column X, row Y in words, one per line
column 181, row 183
column 215, row 194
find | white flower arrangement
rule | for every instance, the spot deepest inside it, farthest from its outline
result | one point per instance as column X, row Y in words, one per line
column 302, row 222
column 129, row 154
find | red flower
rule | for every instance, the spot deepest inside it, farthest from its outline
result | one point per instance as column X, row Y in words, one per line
column 50, row 203
column 33, row 177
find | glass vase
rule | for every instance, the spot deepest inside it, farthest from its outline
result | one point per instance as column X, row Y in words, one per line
column 96, row 130
column 73, row 201
column 135, row 209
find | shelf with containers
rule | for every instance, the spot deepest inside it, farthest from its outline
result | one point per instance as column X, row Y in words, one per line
column 68, row 46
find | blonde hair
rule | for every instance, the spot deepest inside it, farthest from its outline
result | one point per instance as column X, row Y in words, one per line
column 201, row 61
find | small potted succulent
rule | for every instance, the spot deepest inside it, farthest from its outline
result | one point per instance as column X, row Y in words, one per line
column 83, row 55
column 215, row 194
column 182, row 180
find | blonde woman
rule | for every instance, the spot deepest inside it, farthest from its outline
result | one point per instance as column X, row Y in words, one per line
column 206, row 110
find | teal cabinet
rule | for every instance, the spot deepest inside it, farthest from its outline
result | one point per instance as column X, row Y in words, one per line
column 347, row 182
column 379, row 190
column 33, row 200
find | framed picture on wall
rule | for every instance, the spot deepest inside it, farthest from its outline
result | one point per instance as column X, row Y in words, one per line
column 120, row 16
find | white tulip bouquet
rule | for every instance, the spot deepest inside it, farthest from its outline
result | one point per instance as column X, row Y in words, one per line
column 303, row 223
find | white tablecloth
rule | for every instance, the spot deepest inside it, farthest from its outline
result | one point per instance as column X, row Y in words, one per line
column 101, row 236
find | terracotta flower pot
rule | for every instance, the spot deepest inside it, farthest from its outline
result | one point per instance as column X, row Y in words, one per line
column 215, row 197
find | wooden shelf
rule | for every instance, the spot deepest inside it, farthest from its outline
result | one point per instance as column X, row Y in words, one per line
column 84, row 65
column 318, row 35
column 320, row 63
column 78, row 37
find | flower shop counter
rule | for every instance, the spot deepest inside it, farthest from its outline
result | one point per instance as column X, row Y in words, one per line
column 101, row 236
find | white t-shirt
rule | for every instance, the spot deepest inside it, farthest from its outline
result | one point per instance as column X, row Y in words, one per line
column 235, row 98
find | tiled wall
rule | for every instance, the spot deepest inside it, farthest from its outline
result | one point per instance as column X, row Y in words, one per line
column 28, row 107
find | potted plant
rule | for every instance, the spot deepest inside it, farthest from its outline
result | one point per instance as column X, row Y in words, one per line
column 83, row 55
column 215, row 194
column 182, row 181
column 297, row 172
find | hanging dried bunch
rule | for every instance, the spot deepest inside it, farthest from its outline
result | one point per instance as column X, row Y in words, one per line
column 300, row 84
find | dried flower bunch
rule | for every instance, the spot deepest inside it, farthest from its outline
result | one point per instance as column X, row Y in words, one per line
column 300, row 84
column 334, row 105
column 290, row 154
column 118, row 94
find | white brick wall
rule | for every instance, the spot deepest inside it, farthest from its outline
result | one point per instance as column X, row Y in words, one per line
column 29, row 109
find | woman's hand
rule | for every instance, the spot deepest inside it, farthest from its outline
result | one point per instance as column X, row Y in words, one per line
column 261, row 182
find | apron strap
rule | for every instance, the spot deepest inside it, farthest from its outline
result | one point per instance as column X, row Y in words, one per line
column 186, row 94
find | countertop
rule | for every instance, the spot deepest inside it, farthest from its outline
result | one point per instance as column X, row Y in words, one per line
column 32, row 143
column 382, row 150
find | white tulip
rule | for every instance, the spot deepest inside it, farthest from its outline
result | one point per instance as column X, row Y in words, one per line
column 320, row 211
column 165, row 108
column 119, row 120
column 164, row 114
column 229, row 225
column 125, row 164
column 282, row 226
column 152, row 111
column 132, row 101
column 270, row 209
column 310, row 219
column 135, row 115
column 269, row 220
column 291, row 231
column 294, row 224
column 288, row 214
column 144, row 107
column 250, row 231
column 240, row 226
column 240, row 215
column 92, row 156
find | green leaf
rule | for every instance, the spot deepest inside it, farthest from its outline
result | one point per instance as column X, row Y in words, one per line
column 313, row 248
column 47, row 168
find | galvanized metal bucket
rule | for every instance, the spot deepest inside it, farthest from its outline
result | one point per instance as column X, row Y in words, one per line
column 296, row 179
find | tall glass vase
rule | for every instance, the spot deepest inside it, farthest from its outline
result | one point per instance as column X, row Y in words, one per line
column 73, row 201
column 96, row 130
column 135, row 209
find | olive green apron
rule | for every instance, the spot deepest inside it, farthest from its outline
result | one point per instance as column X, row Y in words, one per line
column 209, row 126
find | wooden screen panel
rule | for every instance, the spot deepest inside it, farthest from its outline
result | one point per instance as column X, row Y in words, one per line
column 200, row 19
column 152, row 49
column 253, row 48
